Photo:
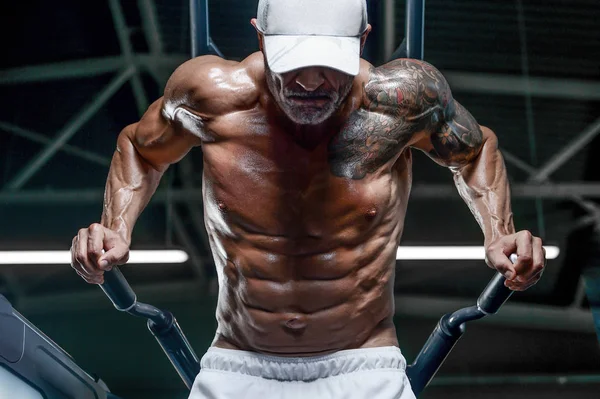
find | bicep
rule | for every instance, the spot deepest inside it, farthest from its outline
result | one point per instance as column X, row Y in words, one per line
column 447, row 132
column 454, row 139
column 160, row 140
column 422, row 99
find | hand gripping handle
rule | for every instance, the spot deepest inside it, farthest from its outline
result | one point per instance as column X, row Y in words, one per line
column 496, row 293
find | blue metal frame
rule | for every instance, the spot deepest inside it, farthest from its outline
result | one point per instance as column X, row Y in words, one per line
column 415, row 28
column 200, row 30
column 414, row 38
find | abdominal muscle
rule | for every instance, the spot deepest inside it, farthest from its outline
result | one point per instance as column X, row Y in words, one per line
column 305, row 304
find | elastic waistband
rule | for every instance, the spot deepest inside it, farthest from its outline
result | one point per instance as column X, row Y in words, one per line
column 303, row 368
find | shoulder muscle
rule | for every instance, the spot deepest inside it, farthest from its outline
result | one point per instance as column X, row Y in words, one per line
column 441, row 126
column 208, row 87
column 412, row 87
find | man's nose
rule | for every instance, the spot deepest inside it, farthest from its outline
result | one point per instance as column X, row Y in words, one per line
column 310, row 79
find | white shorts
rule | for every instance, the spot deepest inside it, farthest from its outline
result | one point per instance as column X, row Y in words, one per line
column 373, row 373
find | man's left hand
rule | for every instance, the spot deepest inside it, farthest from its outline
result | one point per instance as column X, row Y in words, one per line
column 531, row 259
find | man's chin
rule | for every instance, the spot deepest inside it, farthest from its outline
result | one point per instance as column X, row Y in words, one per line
column 308, row 121
column 305, row 117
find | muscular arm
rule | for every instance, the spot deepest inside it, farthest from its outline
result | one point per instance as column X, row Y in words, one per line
column 145, row 150
column 451, row 136
column 170, row 128
column 409, row 103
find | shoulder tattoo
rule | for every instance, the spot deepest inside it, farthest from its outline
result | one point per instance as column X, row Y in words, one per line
column 400, row 99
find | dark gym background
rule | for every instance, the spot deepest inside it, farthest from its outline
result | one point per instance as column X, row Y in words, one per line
column 74, row 73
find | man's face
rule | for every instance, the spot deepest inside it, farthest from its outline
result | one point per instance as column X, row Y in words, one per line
column 309, row 96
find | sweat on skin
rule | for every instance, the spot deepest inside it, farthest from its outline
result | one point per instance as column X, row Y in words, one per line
column 307, row 176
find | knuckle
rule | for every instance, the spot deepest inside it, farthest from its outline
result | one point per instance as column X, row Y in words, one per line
column 94, row 227
column 525, row 259
column 527, row 234
column 491, row 250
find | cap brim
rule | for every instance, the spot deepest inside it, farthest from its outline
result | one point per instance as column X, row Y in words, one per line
column 286, row 53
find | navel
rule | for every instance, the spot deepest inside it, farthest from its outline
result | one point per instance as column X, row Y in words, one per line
column 296, row 324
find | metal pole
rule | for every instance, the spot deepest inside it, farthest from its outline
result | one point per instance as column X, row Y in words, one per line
column 472, row 82
column 567, row 153
column 543, row 87
column 415, row 28
column 150, row 26
column 125, row 44
column 68, row 149
column 539, row 206
column 200, row 29
column 61, row 70
column 589, row 206
column 69, row 130
column 389, row 30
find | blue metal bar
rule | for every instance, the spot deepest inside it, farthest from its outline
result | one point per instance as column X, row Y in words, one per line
column 415, row 28
column 214, row 49
column 162, row 324
column 200, row 30
column 450, row 329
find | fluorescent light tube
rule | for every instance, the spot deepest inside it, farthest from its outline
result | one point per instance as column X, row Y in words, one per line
column 64, row 257
column 178, row 256
column 454, row 253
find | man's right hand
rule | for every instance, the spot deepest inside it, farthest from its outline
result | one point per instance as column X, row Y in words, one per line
column 97, row 249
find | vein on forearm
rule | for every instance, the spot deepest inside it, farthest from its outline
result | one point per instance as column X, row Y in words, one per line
column 131, row 183
column 484, row 186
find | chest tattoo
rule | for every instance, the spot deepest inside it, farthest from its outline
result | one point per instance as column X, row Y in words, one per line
column 397, row 102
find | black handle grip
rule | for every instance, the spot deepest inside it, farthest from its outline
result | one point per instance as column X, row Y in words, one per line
column 432, row 355
column 496, row 293
column 118, row 290
column 178, row 350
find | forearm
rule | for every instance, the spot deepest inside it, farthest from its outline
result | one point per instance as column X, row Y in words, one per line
column 484, row 186
column 131, row 183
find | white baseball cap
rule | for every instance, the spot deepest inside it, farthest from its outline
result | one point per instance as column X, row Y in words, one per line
column 304, row 33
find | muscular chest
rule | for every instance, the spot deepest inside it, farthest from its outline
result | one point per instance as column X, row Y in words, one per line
column 263, row 180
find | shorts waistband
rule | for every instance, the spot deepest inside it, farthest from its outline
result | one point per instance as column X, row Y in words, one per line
column 303, row 368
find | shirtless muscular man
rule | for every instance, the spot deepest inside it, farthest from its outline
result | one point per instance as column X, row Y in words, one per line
column 307, row 175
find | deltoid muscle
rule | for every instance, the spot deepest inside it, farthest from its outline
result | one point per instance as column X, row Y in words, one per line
column 402, row 98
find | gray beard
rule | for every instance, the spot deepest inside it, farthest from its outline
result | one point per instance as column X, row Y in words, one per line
column 303, row 115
